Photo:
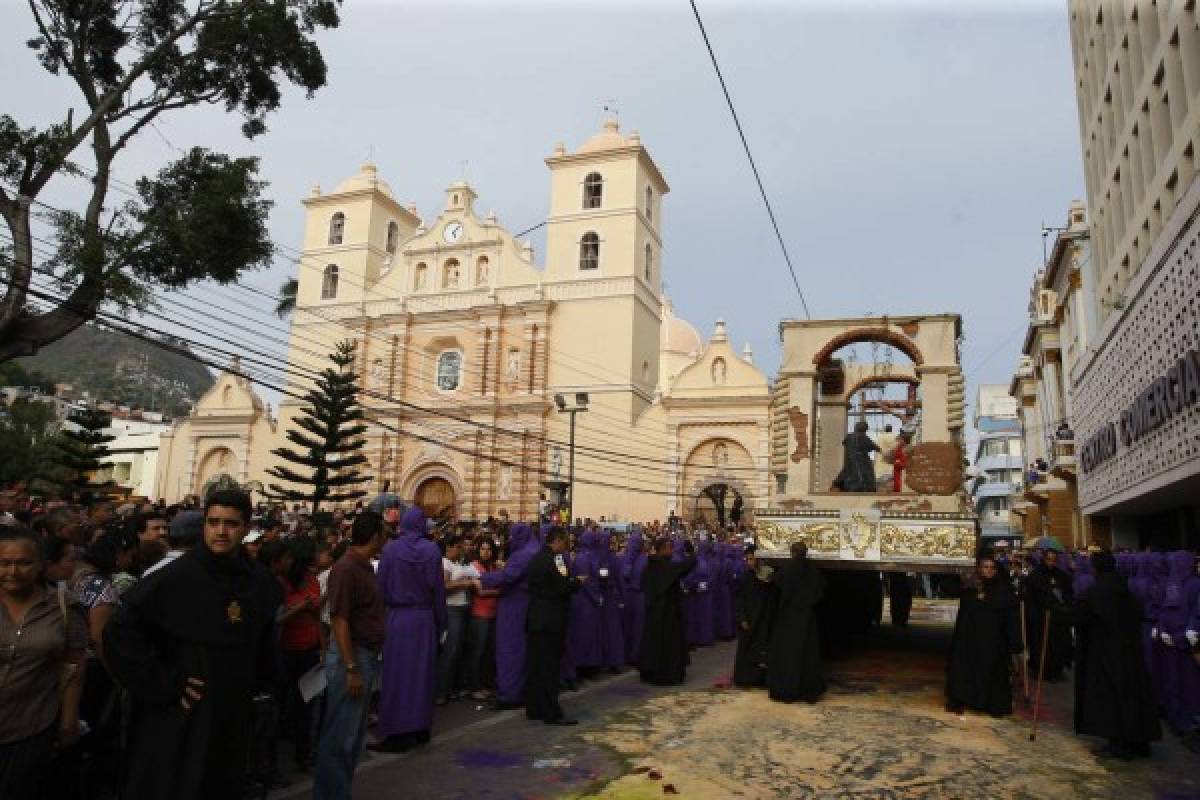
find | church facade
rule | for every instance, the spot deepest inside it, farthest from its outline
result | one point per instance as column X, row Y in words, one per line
column 463, row 341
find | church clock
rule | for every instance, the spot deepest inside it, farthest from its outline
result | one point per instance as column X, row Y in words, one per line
column 452, row 232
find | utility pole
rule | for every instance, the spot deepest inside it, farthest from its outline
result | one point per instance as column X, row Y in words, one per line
column 581, row 403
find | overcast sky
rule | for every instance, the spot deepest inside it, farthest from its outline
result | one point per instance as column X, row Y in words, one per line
column 911, row 151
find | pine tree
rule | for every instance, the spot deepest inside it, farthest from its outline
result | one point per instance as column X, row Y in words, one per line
column 329, row 437
column 79, row 451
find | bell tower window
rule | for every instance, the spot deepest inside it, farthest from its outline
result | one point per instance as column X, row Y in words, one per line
column 450, row 274
column 593, row 190
column 589, row 251
column 393, row 238
column 337, row 228
column 329, row 282
column 649, row 204
column 649, row 264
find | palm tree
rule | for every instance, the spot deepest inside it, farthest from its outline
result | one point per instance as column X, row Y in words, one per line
column 287, row 298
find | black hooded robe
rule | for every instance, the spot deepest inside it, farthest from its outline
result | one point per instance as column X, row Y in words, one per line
column 201, row 616
column 1049, row 590
column 794, row 654
column 754, row 607
column 1113, row 694
column 663, row 655
column 987, row 632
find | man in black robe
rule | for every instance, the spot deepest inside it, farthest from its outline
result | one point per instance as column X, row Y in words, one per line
column 550, row 590
column 1113, row 695
column 794, row 654
column 987, row 634
column 663, row 655
column 858, row 473
column 192, row 643
column 753, row 608
column 1048, row 591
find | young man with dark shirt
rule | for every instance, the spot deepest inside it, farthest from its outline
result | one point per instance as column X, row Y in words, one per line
column 357, row 619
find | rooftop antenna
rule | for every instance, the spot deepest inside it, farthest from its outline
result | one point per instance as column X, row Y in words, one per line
column 462, row 168
column 370, row 154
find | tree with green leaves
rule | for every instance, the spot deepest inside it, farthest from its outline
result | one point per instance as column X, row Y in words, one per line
column 81, row 447
column 202, row 217
column 27, row 435
column 329, row 435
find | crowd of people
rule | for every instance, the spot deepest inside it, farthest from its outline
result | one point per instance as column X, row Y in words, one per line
column 150, row 651
column 181, row 651
column 1127, row 623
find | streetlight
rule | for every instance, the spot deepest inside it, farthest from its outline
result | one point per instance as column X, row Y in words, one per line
column 581, row 402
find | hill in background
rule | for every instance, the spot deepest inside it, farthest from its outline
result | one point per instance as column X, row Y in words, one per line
column 121, row 369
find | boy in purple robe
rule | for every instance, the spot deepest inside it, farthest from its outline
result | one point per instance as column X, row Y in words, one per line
column 510, row 616
column 699, row 587
column 412, row 585
column 608, row 579
column 1180, row 672
column 633, row 564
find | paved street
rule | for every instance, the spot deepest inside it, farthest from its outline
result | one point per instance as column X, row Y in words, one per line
column 880, row 733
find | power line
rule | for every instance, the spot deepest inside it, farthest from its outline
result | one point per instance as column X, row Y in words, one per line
column 750, row 157
column 618, row 458
column 383, row 339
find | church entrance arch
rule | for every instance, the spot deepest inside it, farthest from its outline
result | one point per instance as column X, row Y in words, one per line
column 436, row 497
column 716, row 492
column 218, row 461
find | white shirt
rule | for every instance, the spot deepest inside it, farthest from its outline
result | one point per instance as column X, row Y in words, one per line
column 457, row 572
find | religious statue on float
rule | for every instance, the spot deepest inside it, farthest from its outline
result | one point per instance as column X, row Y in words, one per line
column 858, row 473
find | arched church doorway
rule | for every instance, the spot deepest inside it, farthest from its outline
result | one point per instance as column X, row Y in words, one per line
column 719, row 505
column 436, row 498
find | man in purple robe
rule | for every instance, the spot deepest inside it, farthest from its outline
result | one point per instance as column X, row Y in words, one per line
column 723, row 627
column 412, row 585
column 1180, row 672
column 510, row 616
column 583, row 632
column 608, row 577
column 699, row 587
column 633, row 564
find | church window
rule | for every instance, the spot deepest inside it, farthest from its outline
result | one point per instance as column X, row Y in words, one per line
column 649, row 264
column 337, row 228
column 329, row 282
column 649, row 204
column 449, row 370
column 593, row 190
column 393, row 237
column 450, row 274
column 589, row 251
column 420, row 277
column 482, row 271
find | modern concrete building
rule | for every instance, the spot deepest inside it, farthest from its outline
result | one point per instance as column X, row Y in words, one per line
column 998, row 466
column 1135, row 386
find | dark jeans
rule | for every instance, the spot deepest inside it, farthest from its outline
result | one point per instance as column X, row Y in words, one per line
column 297, row 714
column 344, row 728
column 481, row 636
column 456, row 626
column 23, row 764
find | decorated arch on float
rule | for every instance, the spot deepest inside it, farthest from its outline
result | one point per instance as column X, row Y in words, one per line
column 845, row 386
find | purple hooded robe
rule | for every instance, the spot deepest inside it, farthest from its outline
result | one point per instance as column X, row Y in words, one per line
column 1181, row 673
column 723, row 627
column 510, row 613
column 608, row 581
column 699, row 586
column 413, row 588
column 584, row 624
column 1083, row 575
column 633, row 564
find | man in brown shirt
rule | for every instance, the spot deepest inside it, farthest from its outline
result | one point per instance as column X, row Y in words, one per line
column 357, row 616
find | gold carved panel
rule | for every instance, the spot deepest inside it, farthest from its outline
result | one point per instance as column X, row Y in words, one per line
column 822, row 537
column 941, row 542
